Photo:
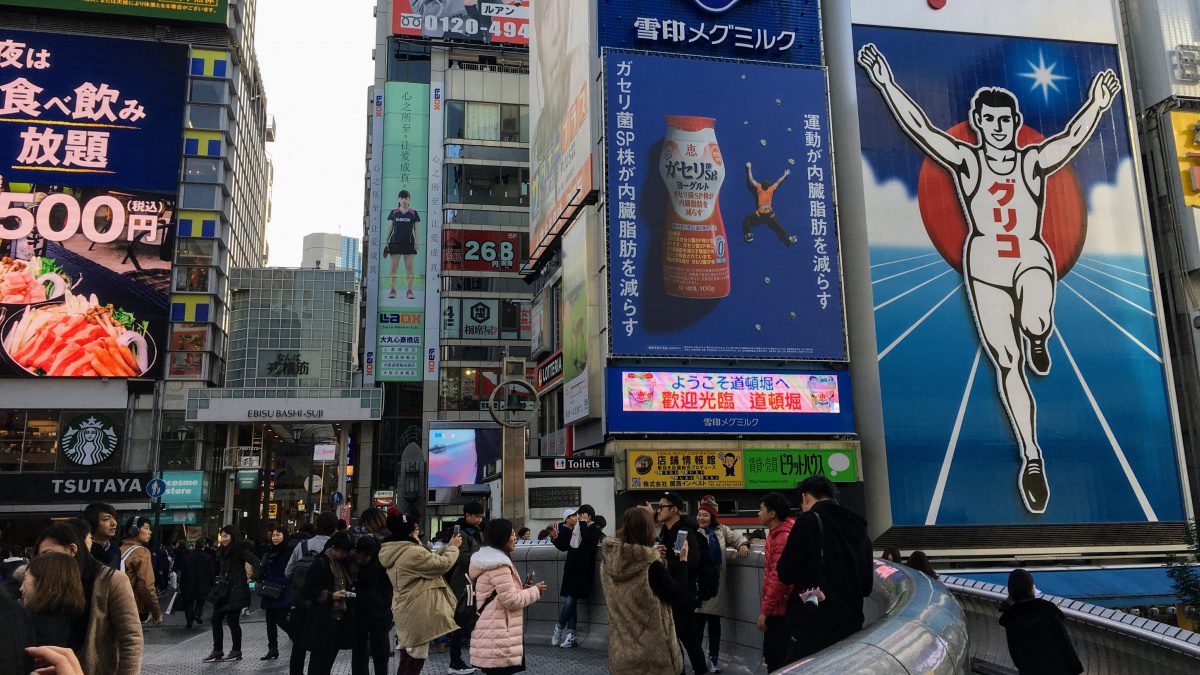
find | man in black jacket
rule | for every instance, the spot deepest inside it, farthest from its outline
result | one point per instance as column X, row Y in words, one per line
column 579, row 541
column 670, row 516
column 472, row 541
column 828, row 558
column 1037, row 635
column 199, row 570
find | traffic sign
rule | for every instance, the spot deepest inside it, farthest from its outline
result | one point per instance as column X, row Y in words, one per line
column 336, row 498
column 156, row 488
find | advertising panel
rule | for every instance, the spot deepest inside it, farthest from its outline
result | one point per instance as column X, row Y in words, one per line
column 497, row 22
column 207, row 11
column 1011, row 273
column 108, row 486
column 374, row 248
column 1185, row 126
column 723, row 237
column 549, row 372
column 671, row 400
column 576, row 403
column 433, row 238
column 405, row 208
column 461, row 456
column 560, row 107
column 185, row 489
column 787, row 32
column 784, row 469
column 87, row 202
column 481, row 251
column 684, row 469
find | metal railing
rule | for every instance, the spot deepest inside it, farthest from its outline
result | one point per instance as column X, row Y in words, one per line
column 913, row 625
column 1107, row 640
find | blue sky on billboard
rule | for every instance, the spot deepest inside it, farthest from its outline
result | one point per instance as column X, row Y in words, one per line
column 766, row 283
column 88, row 111
column 762, row 30
column 953, row 448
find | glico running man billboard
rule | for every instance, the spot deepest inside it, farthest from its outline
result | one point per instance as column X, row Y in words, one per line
column 89, row 170
column 1018, row 328
column 405, row 203
column 723, row 237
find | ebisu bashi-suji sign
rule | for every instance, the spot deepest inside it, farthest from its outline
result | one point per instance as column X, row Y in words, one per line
column 90, row 143
column 760, row 30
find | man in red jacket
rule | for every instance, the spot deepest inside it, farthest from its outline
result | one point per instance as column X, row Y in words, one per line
column 774, row 513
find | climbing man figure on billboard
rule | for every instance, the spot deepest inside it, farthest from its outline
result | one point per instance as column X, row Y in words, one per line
column 1009, row 270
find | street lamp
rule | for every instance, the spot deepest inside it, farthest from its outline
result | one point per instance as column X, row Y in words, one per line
column 297, row 432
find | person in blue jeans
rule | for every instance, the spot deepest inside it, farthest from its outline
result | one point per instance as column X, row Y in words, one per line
column 579, row 538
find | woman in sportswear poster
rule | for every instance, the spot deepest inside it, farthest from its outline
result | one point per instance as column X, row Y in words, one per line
column 402, row 241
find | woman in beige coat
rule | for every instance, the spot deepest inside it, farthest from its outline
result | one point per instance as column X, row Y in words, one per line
column 498, row 642
column 640, row 590
column 422, row 604
column 110, row 629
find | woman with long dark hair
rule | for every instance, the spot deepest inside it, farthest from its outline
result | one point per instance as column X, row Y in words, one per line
column 640, row 590
column 273, row 590
column 52, row 593
column 107, row 635
column 719, row 538
column 497, row 644
column 231, row 591
column 422, row 604
column 327, row 592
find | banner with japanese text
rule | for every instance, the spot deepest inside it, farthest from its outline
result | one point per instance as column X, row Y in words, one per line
column 404, row 213
column 497, row 22
column 684, row 469
column 673, row 400
column 783, row 32
column 722, row 226
column 783, row 469
column 207, row 11
column 89, row 175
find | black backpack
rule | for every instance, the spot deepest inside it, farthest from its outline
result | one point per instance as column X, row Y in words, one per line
column 466, row 614
column 708, row 577
column 300, row 573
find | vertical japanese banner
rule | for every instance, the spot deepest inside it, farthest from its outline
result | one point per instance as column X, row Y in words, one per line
column 374, row 246
column 576, row 403
column 90, row 143
column 403, row 222
column 1021, row 359
column 434, row 241
column 722, row 229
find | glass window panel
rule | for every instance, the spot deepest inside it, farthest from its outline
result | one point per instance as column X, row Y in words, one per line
column 41, row 442
column 510, row 123
column 209, row 91
column 455, row 119
column 12, row 435
column 186, row 365
column 193, row 279
column 483, row 121
column 201, row 169
column 196, row 196
column 206, row 117
column 194, row 251
column 189, row 337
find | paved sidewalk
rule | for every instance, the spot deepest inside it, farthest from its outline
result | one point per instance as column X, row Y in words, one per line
column 173, row 649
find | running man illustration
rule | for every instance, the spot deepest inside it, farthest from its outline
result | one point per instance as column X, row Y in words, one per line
column 1009, row 270
column 402, row 241
column 764, row 212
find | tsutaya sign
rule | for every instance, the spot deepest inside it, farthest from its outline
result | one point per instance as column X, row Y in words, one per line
column 82, row 487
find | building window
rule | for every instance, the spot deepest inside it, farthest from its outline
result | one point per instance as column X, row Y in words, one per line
column 209, row 91
column 467, row 388
column 510, row 124
column 494, row 185
column 186, row 365
column 483, row 121
column 193, row 279
column 203, row 197
column 195, row 251
column 456, row 125
column 201, row 170
column 189, row 337
column 206, row 117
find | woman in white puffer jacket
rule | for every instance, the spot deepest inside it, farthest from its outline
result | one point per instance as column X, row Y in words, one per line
column 498, row 641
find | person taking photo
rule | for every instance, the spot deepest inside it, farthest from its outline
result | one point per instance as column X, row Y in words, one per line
column 498, row 642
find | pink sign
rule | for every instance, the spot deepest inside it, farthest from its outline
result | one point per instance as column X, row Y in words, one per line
column 729, row 392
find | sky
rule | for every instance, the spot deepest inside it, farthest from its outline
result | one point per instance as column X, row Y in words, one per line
column 316, row 62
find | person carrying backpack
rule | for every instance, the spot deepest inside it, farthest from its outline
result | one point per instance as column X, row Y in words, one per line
column 472, row 540
column 713, row 592
column 138, row 565
column 498, row 640
column 675, row 526
column 301, row 561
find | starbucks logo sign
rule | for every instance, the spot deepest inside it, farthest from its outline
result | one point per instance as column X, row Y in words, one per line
column 89, row 439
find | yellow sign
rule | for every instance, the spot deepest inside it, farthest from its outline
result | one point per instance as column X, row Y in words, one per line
column 273, row 510
column 1186, row 127
column 684, row 469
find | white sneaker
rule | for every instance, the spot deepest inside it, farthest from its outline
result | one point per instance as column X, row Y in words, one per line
column 569, row 641
column 557, row 638
column 461, row 671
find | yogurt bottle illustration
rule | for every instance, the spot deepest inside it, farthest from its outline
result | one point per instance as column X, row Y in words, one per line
column 695, row 249
column 639, row 391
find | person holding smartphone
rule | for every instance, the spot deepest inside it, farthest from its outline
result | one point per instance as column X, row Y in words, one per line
column 327, row 588
column 497, row 645
column 677, row 533
column 579, row 540
column 468, row 529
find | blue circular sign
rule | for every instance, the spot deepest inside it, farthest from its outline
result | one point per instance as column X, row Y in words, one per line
column 156, row 488
column 336, row 498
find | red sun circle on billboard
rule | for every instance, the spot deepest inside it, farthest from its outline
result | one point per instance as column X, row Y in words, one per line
column 1064, row 224
column 937, row 4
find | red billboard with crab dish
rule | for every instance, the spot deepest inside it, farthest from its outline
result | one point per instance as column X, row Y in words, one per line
column 87, row 203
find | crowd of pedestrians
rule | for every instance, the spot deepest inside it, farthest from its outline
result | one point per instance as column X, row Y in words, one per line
column 81, row 596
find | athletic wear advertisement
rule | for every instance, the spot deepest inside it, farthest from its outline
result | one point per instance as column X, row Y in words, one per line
column 722, row 228
column 1010, row 277
column 405, row 195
